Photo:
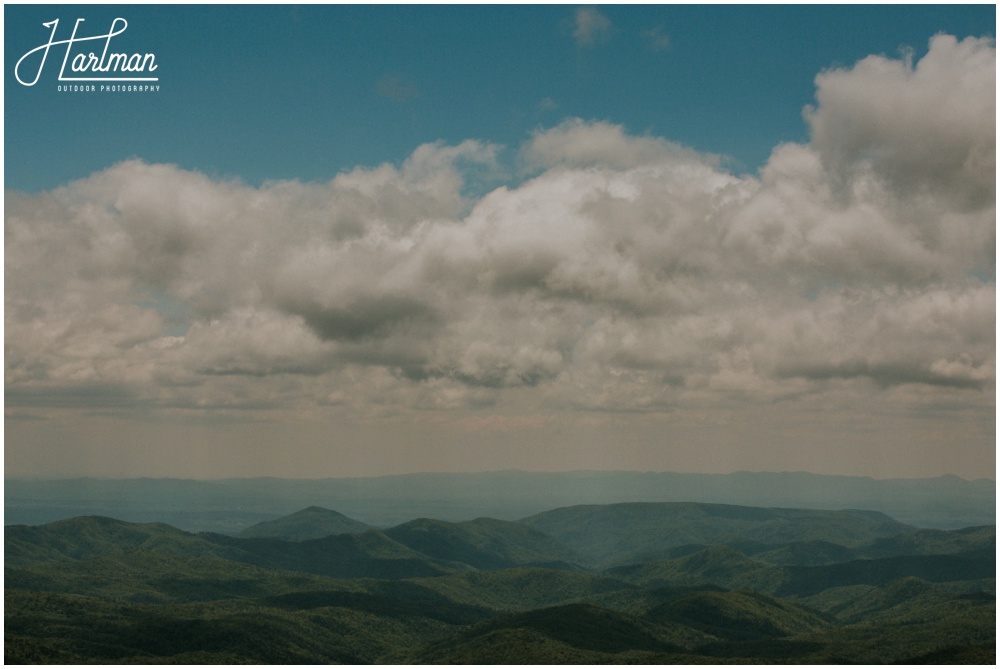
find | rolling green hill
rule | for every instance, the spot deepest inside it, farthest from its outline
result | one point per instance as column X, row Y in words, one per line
column 739, row 615
column 718, row 565
column 96, row 536
column 855, row 587
column 51, row 628
column 573, row 633
column 313, row 522
column 932, row 542
column 523, row 588
column 804, row 581
column 142, row 576
column 805, row 553
column 370, row 554
column 624, row 533
column 484, row 543
column 728, row 568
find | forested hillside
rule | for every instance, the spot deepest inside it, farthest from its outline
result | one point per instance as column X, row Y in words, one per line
column 626, row 583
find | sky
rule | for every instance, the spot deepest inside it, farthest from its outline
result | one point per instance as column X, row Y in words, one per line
column 353, row 241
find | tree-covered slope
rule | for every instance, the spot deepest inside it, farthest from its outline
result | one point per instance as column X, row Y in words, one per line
column 484, row 543
column 98, row 590
column 739, row 615
column 573, row 633
column 523, row 588
column 68, row 629
column 369, row 554
column 728, row 568
column 623, row 533
column 313, row 522
column 95, row 536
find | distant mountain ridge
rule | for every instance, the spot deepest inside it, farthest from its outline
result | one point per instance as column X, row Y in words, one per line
column 232, row 505
column 619, row 533
column 595, row 536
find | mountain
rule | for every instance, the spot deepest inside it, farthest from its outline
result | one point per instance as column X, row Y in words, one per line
column 973, row 565
column 623, row 533
column 917, row 542
column 43, row 628
column 810, row 553
column 572, row 633
column 728, row 568
column 88, row 537
column 370, row 554
column 904, row 593
column 313, row 522
column 523, row 588
column 932, row 542
column 141, row 576
column 484, row 543
column 105, row 591
column 229, row 506
column 739, row 615
column 720, row 566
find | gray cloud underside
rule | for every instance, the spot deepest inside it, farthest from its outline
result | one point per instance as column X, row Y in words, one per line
column 628, row 274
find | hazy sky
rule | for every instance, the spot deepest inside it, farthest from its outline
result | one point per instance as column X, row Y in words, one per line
column 353, row 241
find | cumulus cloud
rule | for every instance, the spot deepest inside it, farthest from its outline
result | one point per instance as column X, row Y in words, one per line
column 626, row 273
column 922, row 128
column 576, row 143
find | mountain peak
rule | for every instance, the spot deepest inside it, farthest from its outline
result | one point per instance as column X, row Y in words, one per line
column 313, row 522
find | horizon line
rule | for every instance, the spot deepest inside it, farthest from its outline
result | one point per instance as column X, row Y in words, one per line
column 39, row 478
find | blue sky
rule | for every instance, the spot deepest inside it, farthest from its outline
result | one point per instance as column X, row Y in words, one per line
column 266, row 92
column 348, row 241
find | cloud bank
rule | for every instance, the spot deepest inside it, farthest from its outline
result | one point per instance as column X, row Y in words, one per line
column 625, row 274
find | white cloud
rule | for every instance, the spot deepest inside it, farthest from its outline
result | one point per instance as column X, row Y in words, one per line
column 628, row 274
column 928, row 130
column 576, row 143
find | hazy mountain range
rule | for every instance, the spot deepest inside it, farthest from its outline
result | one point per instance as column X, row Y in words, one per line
column 232, row 505
column 619, row 583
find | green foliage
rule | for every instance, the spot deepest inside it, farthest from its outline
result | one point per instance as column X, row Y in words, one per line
column 933, row 542
column 718, row 565
column 313, row 522
column 982, row 654
column 925, row 630
column 75, row 629
column 574, row 633
column 739, row 615
column 144, row 577
column 401, row 604
column 522, row 588
column 805, row 553
column 934, row 568
column 97, row 590
column 484, row 543
column 624, row 533
column 587, row 627
column 95, row 536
